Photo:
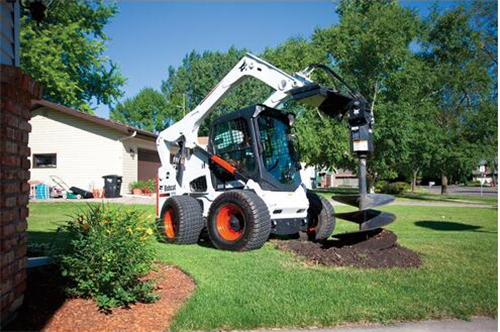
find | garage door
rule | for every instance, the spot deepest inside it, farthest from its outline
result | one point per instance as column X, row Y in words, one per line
column 148, row 165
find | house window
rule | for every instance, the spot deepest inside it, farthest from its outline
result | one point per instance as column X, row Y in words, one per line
column 45, row 160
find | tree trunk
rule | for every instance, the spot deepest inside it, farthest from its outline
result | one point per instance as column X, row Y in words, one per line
column 444, row 184
column 414, row 181
column 371, row 182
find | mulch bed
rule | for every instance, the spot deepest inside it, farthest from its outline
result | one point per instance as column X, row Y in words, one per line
column 46, row 308
column 377, row 249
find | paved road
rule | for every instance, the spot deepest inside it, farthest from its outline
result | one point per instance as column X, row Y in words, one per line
column 479, row 324
column 469, row 191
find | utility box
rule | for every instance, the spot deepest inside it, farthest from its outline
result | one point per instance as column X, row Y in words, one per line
column 112, row 185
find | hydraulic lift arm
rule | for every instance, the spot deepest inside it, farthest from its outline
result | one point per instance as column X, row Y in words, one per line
column 249, row 66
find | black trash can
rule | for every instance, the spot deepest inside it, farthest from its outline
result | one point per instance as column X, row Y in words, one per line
column 112, row 185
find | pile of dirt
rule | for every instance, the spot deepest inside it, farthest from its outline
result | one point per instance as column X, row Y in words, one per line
column 46, row 308
column 376, row 249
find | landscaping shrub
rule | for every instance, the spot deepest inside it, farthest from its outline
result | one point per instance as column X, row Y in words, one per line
column 397, row 188
column 381, row 186
column 109, row 250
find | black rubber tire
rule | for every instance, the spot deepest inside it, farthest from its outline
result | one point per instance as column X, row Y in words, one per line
column 320, row 216
column 187, row 217
column 257, row 221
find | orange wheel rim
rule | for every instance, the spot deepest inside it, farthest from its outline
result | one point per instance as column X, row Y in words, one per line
column 169, row 224
column 230, row 222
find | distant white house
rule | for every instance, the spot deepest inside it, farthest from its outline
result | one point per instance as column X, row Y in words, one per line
column 314, row 178
column 81, row 148
column 484, row 174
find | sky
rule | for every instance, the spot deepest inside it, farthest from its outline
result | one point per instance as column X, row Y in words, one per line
column 148, row 37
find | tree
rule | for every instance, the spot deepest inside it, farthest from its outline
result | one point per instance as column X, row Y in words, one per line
column 370, row 45
column 64, row 52
column 410, row 92
column 323, row 141
column 198, row 75
column 148, row 110
column 464, row 63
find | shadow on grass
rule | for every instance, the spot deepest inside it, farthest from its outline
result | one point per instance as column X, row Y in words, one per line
column 449, row 226
column 54, row 237
column 426, row 197
column 337, row 191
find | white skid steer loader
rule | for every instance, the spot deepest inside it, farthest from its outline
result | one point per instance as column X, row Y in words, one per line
column 246, row 185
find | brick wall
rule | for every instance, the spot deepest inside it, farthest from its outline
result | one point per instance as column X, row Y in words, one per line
column 16, row 92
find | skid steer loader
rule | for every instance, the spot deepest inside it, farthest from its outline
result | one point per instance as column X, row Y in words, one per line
column 246, row 185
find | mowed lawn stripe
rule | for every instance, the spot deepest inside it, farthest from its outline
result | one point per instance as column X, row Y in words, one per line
column 271, row 288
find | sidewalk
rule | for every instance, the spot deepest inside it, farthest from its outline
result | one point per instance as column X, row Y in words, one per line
column 479, row 324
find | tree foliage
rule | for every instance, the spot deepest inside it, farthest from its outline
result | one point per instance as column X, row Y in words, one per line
column 430, row 81
column 465, row 86
column 370, row 46
column 148, row 110
column 200, row 73
column 64, row 52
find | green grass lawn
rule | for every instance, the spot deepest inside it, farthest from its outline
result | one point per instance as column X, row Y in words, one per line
column 271, row 288
column 449, row 198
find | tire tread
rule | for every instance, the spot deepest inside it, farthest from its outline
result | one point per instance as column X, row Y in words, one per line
column 190, row 219
column 257, row 208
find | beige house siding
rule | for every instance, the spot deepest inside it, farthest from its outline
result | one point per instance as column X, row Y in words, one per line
column 85, row 151
column 131, row 157
column 129, row 164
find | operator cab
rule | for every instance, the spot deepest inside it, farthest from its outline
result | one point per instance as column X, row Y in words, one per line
column 256, row 141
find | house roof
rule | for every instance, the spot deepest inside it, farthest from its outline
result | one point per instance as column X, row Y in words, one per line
column 37, row 104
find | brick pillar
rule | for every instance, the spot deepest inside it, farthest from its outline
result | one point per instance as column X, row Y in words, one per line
column 16, row 92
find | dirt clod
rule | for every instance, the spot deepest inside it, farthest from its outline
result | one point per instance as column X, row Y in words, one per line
column 376, row 249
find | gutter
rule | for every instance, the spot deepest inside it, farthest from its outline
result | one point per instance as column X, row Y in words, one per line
column 128, row 137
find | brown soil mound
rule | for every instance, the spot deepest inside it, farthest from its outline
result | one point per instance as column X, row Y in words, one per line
column 46, row 308
column 368, row 250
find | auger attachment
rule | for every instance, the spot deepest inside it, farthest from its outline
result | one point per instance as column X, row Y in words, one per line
column 360, row 122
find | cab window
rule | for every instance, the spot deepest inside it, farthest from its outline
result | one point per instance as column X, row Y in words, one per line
column 232, row 142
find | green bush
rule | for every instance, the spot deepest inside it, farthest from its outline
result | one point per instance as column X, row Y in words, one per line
column 381, row 186
column 109, row 250
column 397, row 188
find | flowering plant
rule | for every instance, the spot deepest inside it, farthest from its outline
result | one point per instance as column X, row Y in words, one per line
column 109, row 250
